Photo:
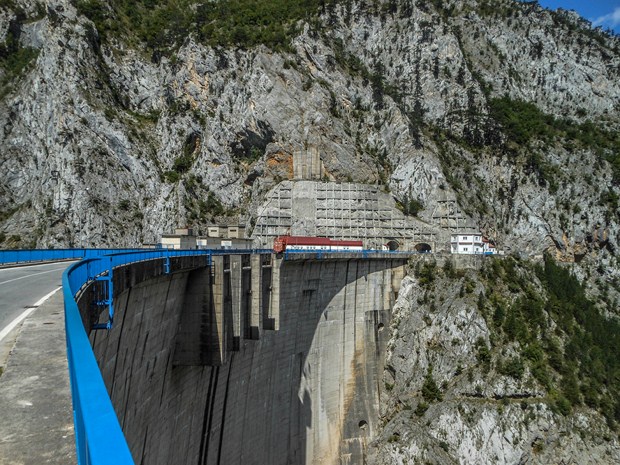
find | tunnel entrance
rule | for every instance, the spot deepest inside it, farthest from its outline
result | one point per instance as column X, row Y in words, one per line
column 423, row 248
column 393, row 244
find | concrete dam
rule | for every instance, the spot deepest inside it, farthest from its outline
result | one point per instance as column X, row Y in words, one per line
column 255, row 359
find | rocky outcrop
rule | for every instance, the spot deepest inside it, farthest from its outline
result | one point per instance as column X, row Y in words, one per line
column 106, row 142
column 472, row 412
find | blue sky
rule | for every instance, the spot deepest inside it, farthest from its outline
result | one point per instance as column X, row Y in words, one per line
column 605, row 13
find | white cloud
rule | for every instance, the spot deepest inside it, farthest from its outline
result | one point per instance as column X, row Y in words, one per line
column 610, row 20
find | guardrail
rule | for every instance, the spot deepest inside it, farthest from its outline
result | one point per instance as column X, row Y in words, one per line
column 98, row 434
column 43, row 255
column 365, row 253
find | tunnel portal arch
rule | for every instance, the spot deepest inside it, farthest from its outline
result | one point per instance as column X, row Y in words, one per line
column 423, row 247
column 392, row 244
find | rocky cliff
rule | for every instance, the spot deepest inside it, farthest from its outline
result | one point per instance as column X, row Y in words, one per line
column 121, row 120
column 489, row 362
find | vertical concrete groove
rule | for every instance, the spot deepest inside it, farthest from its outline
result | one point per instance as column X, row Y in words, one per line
column 225, row 402
column 163, row 384
column 128, row 385
column 143, row 457
column 207, row 418
column 118, row 346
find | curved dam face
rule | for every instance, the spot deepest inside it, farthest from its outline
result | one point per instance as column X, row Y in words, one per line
column 258, row 361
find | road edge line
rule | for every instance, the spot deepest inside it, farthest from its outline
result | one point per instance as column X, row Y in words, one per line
column 11, row 326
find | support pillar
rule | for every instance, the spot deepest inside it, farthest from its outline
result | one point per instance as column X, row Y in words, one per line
column 255, row 297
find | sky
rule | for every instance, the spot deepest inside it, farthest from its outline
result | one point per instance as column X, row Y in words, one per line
column 605, row 13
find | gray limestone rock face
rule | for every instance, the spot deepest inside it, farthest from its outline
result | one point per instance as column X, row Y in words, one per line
column 104, row 144
column 484, row 415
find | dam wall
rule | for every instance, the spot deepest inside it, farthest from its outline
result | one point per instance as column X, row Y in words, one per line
column 250, row 359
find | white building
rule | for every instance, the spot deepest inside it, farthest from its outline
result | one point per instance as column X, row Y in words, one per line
column 223, row 243
column 473, row 243
column 183, row 238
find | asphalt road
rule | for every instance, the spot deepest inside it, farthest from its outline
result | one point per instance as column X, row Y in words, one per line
column 22, row 287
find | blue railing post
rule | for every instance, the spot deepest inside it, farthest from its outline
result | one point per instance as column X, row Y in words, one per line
column 107, row 281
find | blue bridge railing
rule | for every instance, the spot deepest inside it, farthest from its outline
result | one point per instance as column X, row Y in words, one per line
column 42, row 255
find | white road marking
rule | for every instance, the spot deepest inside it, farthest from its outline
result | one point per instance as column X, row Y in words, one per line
column 33, row 274
column 12, row 268
column 25, row 314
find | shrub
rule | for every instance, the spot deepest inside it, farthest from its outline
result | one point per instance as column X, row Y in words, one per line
column 430, row 390
column 562, row 405
column 426, row 273
column 513, row 367
column 484, row 354
column 421, row 409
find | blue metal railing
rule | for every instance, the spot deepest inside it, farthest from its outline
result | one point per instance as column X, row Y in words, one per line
column 98, row 435
column 41, row 255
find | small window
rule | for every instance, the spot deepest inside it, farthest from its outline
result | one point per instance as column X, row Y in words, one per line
column 464, row 238
column 465, row 249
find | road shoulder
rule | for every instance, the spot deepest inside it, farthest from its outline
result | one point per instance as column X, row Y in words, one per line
column 35, row 395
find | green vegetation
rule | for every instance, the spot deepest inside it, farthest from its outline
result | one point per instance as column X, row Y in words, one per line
column 513, row 367
column 578, row 361
column 204, row 206
column 157, row 23
column 164, row 24
column 124, row 205
column 483, row 354
column 412, row 206
column 14, row 59
column 183, row 163
column 590, row 366
column 430, row 390
column 421, row 409
column 252, row 22
column 523, row 122
column 426, row 272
